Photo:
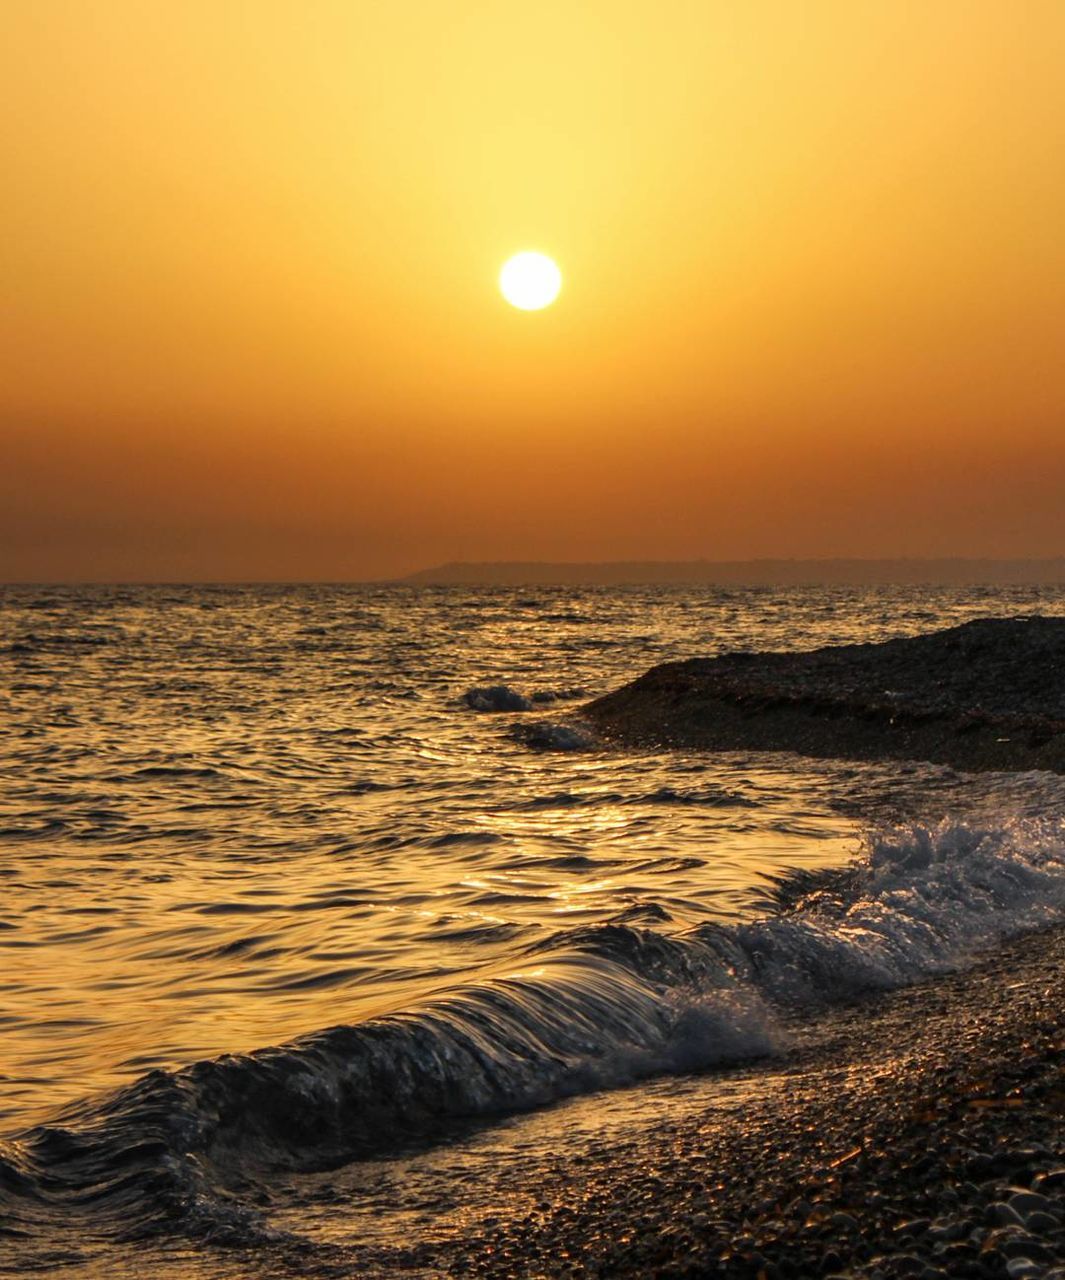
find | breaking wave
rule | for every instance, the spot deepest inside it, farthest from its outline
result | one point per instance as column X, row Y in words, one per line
column 590, row 1008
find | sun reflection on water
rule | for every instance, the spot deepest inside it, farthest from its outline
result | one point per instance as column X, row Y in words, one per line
column 232, row 816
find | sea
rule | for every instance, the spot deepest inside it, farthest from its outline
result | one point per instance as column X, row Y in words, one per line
column 300, row 878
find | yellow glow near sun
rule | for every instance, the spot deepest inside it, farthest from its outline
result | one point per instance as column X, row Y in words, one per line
column 530, row 281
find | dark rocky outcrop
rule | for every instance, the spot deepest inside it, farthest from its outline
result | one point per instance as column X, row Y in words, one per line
column 989, row 694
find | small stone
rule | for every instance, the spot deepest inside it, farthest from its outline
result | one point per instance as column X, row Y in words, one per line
column 1024, row 1246
column 956, row 1253
column 947, row 1230
column 1051, row 1180
column 1024, row 1269
column 1003, row 1214
column 830, row 1261
column 1040, row 1223
column 1025, row 1202
column 912, row 1227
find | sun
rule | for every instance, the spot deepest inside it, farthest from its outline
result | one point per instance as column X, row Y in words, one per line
column 530, row 281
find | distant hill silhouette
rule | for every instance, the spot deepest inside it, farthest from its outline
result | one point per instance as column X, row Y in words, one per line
column 955, row 572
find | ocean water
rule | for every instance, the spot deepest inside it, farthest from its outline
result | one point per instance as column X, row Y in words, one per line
column 233, row 819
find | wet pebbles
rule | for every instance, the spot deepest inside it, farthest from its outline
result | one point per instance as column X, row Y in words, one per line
column 922, row 1135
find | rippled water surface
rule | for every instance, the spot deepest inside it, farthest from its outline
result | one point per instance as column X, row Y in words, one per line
column 230, row 816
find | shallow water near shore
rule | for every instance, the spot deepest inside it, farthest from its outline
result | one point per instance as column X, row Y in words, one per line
column 231, row 817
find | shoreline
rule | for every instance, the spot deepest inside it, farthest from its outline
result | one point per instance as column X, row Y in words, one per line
column 919, row 1133
column 894, row 1143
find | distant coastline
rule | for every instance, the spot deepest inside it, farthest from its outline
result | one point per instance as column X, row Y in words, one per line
column 756, row 573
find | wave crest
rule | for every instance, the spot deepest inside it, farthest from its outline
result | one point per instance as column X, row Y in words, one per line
column 591, row 1008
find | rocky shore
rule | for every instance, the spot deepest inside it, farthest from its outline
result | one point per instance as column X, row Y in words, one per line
column 989, row 694
column 918, row 1135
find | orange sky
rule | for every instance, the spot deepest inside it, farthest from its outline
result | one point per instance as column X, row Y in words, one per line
column 814, row 291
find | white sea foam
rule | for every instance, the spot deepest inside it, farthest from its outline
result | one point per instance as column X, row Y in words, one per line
column 920, row 901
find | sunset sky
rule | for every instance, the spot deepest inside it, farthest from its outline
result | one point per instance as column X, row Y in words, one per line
column 813, row 303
